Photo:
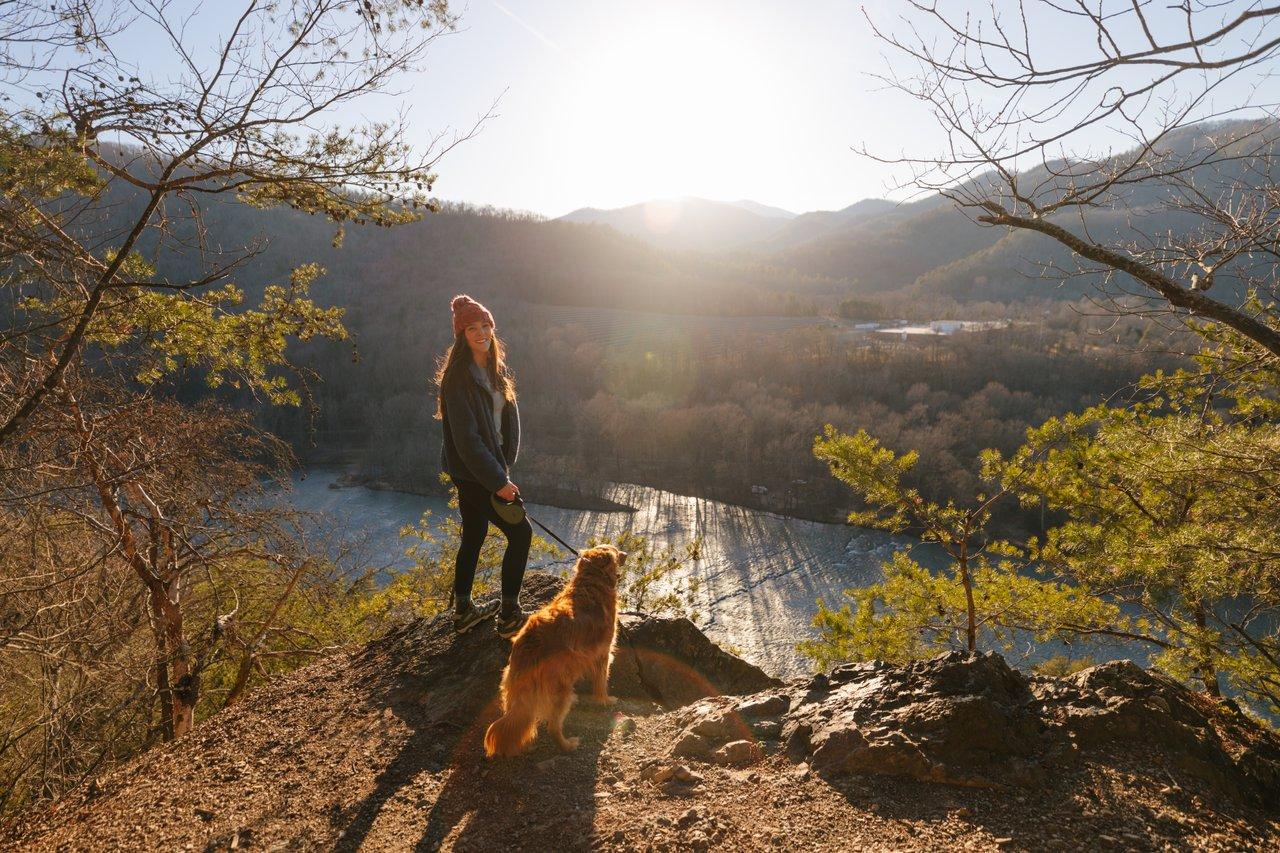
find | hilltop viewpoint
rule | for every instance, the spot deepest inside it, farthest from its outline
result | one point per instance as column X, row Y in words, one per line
column 379, row 749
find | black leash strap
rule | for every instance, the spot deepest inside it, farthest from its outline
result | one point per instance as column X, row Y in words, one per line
column 552, row 534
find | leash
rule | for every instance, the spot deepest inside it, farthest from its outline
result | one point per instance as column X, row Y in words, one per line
column 552, row 534
column 513, row 510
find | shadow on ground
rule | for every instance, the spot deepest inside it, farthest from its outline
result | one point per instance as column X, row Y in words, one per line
column 443, row 688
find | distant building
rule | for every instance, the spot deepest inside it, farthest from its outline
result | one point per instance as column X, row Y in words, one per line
column 942, row 327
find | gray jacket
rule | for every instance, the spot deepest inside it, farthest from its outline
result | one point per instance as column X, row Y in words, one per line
column 475, row 447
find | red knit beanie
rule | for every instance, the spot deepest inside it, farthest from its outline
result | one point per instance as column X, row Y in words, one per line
column 467, row 311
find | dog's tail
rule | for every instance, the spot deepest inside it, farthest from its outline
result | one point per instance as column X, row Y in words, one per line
column 510, row 733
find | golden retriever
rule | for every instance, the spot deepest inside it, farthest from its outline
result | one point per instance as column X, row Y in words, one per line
column 571, row 637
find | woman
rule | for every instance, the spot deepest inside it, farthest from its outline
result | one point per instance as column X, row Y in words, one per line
column 481, row 425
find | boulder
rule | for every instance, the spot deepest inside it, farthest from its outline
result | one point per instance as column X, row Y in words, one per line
column 671, row 662
column 1119, row 702
column 955, row 719
column 972, row 720
column 452, row 677
column 663, row 660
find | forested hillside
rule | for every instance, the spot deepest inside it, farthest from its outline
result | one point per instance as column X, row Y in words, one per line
column 663, row 368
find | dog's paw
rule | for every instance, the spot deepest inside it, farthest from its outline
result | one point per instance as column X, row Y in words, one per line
column 605, row 701
column 569, row 744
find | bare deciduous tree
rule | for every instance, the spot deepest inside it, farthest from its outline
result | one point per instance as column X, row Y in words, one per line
column 87, row 130
column 144, row 580
column 1136, row 135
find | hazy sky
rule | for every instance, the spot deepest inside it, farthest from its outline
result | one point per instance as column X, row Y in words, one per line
column 606, row 103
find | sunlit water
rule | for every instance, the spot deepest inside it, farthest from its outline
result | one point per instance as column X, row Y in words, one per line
column 761, row 574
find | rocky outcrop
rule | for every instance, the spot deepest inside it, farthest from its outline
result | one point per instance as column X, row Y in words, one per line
column 1121, row 703
column 662, row 660
column 673, row 663
column 380, row 748
column 971, row 720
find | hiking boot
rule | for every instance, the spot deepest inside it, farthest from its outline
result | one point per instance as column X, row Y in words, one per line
column 508, row 626
column 473, row 616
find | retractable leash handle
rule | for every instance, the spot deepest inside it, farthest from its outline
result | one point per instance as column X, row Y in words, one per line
column 513, row 512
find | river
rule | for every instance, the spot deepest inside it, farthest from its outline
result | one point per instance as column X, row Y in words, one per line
column 760, row 574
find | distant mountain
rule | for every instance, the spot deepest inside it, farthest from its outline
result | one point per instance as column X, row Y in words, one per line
column 819, row 223
column 765, row 210
column 716, row 226
column 888, row 250
column 928, row 248
column 688, row 223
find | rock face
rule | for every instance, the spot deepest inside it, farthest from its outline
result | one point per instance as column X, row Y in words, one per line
column 1120, row 702
column 667, row 661
column 952, row 719
column 673, row 663
column 971, row 720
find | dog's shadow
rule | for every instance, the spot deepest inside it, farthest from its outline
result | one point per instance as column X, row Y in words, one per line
column 544, row 799
column 439, row 787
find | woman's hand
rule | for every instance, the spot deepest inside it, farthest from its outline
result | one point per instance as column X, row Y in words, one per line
column 508, row 492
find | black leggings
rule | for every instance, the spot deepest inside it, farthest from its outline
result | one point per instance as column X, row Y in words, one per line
column 477, row 515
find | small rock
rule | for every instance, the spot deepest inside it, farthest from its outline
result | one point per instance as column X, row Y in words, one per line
column 963, row 813
column 684, row 774
column 767, row 706
column 626, row 727
column 714, row 725
column 771, row 729
column 738, row 753
column 801, row 771
column 691, row 746
column 664, row 775
column 688, row 818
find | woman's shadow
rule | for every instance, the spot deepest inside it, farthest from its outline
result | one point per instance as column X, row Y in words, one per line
column 444, row 689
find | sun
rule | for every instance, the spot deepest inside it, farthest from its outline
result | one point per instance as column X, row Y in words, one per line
column 669, row 99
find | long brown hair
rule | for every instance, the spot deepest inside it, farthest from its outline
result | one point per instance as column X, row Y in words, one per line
column 456, row 358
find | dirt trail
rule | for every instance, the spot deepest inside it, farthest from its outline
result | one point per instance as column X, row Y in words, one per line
column 379, row 750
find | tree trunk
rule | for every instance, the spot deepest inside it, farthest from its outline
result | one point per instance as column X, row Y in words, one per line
column 164, row 690
column 184, row 687
column 1207, row 672
column 971, row 619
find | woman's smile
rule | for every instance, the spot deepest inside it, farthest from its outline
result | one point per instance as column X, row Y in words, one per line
column 479, row 336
